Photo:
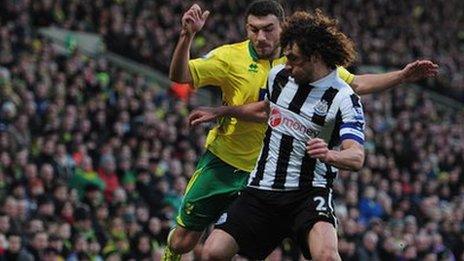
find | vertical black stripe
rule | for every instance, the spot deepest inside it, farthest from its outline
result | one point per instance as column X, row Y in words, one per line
column 328, row 96
column 329, row 175
column 268, row 94
column 263, row 159
column 280, row 81
column 308, row 165
column 285, row 149
column 335, row 137
column 300, row 97
column 355, row 100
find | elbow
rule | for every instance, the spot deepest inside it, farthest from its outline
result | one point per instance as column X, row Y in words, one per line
column 172, row 76
column 177, row 77
column 358, row 162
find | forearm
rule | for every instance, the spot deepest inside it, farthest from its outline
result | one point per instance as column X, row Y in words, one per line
column 370, row 83
column 179, row 69
column 348, row 159
column 257, row 111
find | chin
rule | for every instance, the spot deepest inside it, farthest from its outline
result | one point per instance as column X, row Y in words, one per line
column 264, row 55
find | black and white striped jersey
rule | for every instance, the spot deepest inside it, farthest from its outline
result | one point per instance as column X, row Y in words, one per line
column 327, row 109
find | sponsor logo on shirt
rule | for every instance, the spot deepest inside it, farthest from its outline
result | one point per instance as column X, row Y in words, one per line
column 277, row 119
column 321, row 108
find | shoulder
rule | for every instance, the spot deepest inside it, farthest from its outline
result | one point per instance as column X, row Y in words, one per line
column 343, row 88
column 228, row 51
column 276, row 70
column 219, row 51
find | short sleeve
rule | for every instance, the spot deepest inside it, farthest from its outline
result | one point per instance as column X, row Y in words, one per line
column 352, row 126
column 210, row 69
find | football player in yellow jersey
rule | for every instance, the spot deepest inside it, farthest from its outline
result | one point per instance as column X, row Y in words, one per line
column 240, row 71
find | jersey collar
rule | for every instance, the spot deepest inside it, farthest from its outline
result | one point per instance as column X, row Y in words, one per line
column 252, row 52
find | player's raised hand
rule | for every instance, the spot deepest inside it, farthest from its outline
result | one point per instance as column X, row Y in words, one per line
column 317, row 149
column 418, row 70
column 194, row 19
column 202, row 115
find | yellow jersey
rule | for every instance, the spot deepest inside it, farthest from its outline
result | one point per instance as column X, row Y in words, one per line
column 241, row 76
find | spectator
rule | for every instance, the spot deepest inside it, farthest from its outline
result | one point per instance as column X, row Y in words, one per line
column 15, row 250
column 368, row 250
column 38, row 245
column 368, row 206
column 107, row 173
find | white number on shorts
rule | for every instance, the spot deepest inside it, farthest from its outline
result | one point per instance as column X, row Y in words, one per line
column 320, row 204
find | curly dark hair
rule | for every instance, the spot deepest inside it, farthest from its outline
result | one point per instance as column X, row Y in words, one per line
column 318, row 34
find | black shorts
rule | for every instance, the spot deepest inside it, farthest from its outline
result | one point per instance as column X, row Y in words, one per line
column 259, row 220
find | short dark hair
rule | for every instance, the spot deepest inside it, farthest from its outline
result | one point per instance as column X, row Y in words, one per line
column 265, row 7
column 318, row 34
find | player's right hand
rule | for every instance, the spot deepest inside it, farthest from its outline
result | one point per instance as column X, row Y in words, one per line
column 202, row 115
column 194, row 19
column 317, row 149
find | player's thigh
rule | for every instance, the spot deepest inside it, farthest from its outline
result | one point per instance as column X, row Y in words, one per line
column 315, row 208
column 256, row 227
column 219, row 246
column 212, row 188
column 322, row 241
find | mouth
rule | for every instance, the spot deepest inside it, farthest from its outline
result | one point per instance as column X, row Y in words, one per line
column 262, row 47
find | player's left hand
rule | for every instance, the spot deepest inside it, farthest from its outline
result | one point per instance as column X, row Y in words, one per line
column 317, row 149
column 418, row 70
column 202, row 115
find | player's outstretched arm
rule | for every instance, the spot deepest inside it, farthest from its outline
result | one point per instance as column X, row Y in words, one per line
column 256, row 111
column 370, row 83
column 192, row 22
column 350, row 157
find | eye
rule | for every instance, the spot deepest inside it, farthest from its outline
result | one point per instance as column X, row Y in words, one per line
column 267, row 30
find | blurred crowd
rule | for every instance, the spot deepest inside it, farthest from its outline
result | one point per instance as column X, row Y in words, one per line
column 94, row 160
column 385, row 33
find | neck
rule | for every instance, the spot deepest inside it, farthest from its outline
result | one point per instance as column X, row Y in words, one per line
column 276, row 54
column 321, row 70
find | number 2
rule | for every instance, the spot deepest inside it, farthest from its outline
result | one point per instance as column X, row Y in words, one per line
column 320, row 204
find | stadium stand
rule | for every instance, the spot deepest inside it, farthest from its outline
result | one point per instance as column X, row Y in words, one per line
column 94, row 160
column 146, row 31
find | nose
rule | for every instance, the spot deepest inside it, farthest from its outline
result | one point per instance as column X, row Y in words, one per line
column 261, row 35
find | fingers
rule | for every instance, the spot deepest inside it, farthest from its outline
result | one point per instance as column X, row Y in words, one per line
column 205, row 15
column 425, row 64
column 197, row 13
column 317, row 148
column 188, row 17
column 193, row 117
column 314, row 141
column 198, row 121
column 200, row 115
column 420, row 69
column 318, row 153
